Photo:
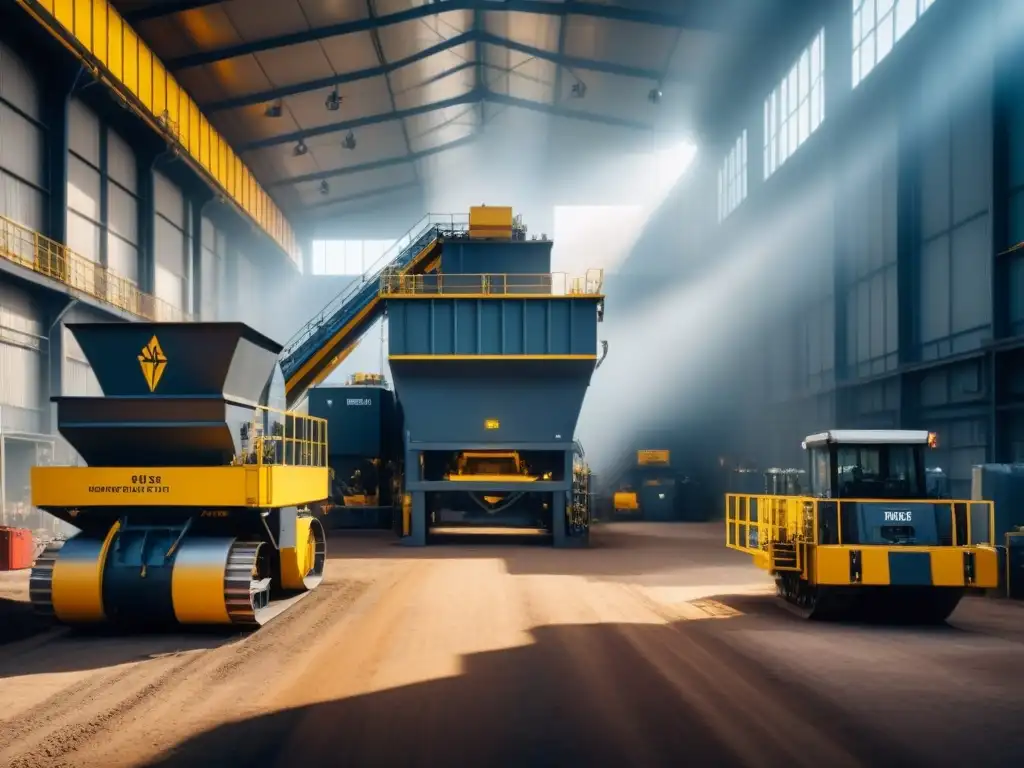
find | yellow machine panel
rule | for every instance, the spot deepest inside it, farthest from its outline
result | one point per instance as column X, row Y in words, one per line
column 491, row 466
column 202, row 487
column 494, row 222
column 625, row 501
column 652, row 458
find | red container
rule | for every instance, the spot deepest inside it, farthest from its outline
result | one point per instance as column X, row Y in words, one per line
column 17, row 549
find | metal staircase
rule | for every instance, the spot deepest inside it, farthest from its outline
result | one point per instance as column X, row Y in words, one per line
column 349, row 308
column 784, row 556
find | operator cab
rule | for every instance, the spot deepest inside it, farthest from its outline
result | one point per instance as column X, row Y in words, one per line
column 868, row 464
column 876, row 484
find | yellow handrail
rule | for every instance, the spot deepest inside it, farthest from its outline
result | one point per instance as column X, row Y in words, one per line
column 29, row 249
column 510, row 284
column 754, row 522
column 283, row 438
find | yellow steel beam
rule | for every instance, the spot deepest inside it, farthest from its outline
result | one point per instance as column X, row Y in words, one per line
column 105, row 43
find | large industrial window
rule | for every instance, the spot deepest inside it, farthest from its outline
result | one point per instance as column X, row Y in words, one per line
column 795, row 109
column 348, row 257
column 732, row 178
column 877, row 26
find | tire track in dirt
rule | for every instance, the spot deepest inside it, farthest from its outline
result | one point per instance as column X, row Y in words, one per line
column 106, row 710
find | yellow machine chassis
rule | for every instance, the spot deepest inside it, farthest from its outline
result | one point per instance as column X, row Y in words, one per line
column 238, row 572
column 780, row 541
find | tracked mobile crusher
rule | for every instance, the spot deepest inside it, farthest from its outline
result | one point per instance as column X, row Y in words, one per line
column 866, row 541
column 194, row 506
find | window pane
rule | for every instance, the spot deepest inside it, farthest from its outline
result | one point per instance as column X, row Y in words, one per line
column 885, row 37
column 906, row 15
column 805, row 74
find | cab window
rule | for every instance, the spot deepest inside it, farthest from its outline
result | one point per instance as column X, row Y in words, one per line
column 879, row 471
column 821, row 476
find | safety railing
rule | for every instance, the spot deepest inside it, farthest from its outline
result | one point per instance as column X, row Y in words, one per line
column 543, row 284
column 29, row 249
column 395, row 259
column 283, row 438
column 755, row 522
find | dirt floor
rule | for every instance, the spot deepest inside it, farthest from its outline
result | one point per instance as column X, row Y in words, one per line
column 655, row 647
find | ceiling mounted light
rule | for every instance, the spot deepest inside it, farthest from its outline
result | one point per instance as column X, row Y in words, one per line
column 274, row 109
column 654, row 96
column 301, row 148
column 349, row 142
column 333, row 100
column 325, row 188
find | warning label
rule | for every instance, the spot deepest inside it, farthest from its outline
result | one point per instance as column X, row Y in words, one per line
column 140, row 484
column 129, row 489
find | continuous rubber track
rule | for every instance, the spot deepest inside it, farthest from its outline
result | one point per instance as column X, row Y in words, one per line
column 654, row 648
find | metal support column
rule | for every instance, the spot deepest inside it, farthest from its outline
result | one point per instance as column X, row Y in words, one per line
column 418, row 524
column 1005, row 69
column 559, row 536
column 838, row 24
column 58, row 99
column 104, row 201
column 307, row 257
column 229, row 294
column 55, row 362
column 146, row 219
column 198, row 204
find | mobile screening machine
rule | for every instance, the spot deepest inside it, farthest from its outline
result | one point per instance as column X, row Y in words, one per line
column 866, row 541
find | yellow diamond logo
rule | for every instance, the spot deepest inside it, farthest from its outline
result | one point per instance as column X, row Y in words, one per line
column 153, row 363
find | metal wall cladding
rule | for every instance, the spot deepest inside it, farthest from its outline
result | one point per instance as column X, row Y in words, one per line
column 17, row 549
column 466, row 257
column 358, row 419
column 555, row 326
column 21, row 364
column 21, row 143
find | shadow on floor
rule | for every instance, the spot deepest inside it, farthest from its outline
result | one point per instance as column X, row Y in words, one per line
column 80, row 650
column 18, row 621
column 598, row 695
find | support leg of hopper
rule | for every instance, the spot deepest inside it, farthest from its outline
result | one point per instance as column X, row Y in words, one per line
column 418, row 529
column 558, row 532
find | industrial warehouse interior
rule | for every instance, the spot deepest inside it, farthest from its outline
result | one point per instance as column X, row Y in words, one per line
column 511, row 383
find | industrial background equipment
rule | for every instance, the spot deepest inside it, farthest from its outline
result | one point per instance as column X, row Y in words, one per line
column 491, row 358
column 647, row 486
column 865, row 540
column 647, row 490
column 491, row 355
column 194, row 506
column 364, row 451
